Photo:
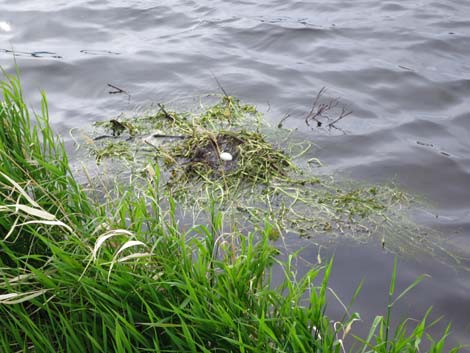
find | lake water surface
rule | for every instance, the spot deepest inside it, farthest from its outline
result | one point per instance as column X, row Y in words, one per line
column 402, row 67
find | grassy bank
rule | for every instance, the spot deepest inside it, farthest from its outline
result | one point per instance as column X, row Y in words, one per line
column 119, row 275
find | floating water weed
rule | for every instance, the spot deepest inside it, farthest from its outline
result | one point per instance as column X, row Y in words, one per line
column 262, row 180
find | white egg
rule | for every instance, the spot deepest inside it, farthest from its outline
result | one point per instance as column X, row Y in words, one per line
column 225, row 156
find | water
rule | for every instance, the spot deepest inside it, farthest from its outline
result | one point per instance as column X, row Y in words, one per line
column 401, row 66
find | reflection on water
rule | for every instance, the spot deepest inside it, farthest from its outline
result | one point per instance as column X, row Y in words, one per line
column 401, row 66
column 5, row 26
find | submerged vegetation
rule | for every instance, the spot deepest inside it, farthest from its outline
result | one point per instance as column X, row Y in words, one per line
column 119, row 274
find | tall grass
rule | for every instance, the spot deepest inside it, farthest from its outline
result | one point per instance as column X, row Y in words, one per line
column 34, row 159
column 121, row 276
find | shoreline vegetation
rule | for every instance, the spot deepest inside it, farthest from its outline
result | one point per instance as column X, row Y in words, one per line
column 117, row 273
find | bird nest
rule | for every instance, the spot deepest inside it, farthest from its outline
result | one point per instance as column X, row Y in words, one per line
column 227, row 154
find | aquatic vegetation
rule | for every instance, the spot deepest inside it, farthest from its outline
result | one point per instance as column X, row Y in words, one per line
column 267, row 177
column 113, row 149
column 121, row 275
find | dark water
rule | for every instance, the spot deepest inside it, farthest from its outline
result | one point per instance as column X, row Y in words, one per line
column 402, row 67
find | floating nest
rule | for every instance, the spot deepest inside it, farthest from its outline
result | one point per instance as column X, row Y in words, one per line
column 252, row 158
column 260, row 182
column 205, row 153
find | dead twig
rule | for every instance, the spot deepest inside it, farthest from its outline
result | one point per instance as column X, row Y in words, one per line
column 118, row 90
column 319, row 109
column 169, row 136
column 281, row 122
column 320, row 112
column 220, row 86
column 344, row 113
column 167, row 115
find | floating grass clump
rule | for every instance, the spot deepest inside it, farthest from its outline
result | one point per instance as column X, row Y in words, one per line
column 264, row 174
column 252, row 160
column 120, row 275
column 113, row 150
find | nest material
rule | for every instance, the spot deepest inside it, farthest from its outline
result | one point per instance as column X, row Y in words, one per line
column 209, row 152
column 253, row 159
column 260, row 183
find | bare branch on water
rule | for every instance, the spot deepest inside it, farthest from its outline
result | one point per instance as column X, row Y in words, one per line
column 344, row 113
column 118, row 90
column 165, row 112
column 281, row 122
column 321, row 112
